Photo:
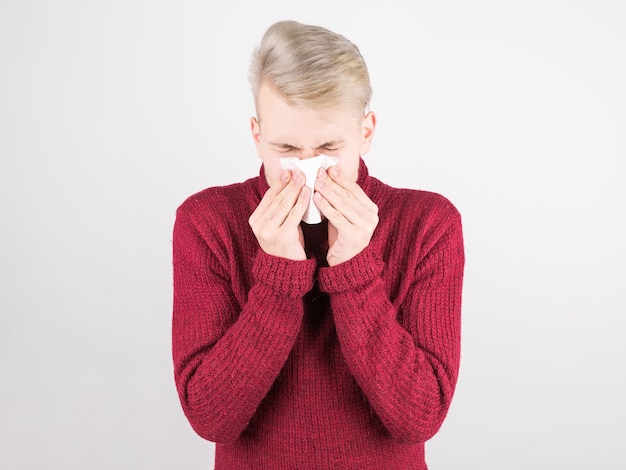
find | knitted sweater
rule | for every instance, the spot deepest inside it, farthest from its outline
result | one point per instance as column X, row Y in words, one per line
column 298, row 365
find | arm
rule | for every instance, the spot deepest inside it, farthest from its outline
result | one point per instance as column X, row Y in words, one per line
column 405, row 360
column 227, row 356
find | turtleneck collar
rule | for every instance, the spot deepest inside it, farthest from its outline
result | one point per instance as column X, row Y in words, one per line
column 362, row 180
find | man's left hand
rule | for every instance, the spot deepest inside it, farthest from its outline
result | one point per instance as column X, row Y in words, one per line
column 351, row 214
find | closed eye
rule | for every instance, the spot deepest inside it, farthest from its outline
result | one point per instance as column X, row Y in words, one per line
column 285, row 148
column 331, row 146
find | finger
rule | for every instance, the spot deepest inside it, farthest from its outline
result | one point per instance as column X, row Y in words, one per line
column 335, row 174
column 297, row 211
column 352, row 207
column 334, row 216
column 287, row 197
column 333, row 189
column 270, row 194
column 283, row 202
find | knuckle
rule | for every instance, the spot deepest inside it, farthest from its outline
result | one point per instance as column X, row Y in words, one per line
column 344, row 193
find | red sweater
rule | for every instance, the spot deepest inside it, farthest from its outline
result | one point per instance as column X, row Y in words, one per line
column 298, row 365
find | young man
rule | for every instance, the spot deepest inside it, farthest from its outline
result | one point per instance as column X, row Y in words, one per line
column 315, row 346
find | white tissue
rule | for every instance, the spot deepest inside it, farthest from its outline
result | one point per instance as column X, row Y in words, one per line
column 309, row 166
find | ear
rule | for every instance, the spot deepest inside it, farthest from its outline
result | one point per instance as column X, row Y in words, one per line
column 255, row 128
column 368, row 126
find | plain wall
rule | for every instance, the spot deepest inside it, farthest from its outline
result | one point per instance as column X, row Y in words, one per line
column 113, row 112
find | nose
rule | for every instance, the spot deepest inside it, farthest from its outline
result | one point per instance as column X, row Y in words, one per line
column 308, row 153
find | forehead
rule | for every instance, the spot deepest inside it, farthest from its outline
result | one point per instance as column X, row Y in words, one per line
column 285, row 121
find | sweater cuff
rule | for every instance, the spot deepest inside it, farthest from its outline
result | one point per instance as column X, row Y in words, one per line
column 351, row 274
column 287, row 277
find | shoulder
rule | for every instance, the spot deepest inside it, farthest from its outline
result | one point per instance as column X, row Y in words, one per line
column 413, row 205
column 216, row 218
column 415, row 221
column 216, row 202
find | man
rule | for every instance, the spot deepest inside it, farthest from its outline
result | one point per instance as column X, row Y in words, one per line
column 316, row 346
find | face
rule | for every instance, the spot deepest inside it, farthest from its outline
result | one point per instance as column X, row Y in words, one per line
column 282, row 131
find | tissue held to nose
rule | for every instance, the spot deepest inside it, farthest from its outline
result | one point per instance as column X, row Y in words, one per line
column 309, row 166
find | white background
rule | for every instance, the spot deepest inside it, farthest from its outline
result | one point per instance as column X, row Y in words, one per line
column 112, row 112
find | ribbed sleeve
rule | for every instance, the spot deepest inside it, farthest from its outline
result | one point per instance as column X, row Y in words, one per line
column 227, row 355
column 404, row 358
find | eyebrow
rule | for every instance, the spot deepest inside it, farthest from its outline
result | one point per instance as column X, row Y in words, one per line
column 331, row 143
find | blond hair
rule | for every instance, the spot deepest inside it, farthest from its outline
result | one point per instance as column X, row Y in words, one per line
column 311, row 66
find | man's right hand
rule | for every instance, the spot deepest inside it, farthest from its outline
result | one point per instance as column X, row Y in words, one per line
column 276, row 221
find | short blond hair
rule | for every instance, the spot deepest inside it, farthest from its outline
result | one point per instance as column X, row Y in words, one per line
column 311, row 66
